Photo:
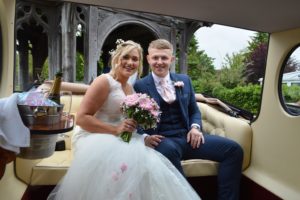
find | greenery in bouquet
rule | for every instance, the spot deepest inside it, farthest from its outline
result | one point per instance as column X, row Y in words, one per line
column 143, row 109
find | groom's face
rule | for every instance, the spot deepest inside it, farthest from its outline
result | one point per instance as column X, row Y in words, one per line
column 160, row 61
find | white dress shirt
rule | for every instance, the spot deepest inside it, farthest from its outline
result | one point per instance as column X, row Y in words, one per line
column 167, row 80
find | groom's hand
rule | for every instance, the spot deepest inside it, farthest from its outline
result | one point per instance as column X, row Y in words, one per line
column 153, row 140
column 195, row 137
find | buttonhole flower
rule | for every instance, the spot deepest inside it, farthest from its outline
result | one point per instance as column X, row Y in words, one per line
column 179, row 84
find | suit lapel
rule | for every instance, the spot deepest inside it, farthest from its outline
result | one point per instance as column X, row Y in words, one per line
column 152, row 88
column 177, row 90
column 153, row 92
column 179, row 93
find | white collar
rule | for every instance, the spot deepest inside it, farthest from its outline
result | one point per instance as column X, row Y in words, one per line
column 157, row 79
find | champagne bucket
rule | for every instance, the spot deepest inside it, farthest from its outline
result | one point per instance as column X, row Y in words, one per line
column 41, row 146
column 40, row 115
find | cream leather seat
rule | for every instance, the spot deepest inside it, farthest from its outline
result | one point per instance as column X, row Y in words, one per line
column 49, row 171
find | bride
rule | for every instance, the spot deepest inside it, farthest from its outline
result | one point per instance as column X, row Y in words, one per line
column 104, row 166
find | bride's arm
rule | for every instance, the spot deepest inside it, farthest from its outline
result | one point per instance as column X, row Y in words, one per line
column 93, row 99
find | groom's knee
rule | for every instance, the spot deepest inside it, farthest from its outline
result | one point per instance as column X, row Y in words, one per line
column 170, row 151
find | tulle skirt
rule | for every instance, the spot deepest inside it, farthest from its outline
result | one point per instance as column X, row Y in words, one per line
column 106, row 168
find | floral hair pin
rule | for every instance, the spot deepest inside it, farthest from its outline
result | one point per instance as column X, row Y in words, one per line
column 179, row 84
column 118, row 42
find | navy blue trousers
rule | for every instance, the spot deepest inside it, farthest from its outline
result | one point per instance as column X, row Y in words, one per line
column 225, row 151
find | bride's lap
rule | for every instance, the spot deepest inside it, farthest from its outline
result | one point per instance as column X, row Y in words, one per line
column 105, row 166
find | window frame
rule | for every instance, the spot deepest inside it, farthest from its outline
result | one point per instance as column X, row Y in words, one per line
column 290, row 109
column 1, row 52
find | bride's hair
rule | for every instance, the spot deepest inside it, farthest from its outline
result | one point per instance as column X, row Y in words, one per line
column 122, row 49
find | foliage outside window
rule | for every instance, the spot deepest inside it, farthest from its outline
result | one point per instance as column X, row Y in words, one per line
column 237, row 82
column 290, row 83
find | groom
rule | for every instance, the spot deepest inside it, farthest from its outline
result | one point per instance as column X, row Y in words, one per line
column 179, row 134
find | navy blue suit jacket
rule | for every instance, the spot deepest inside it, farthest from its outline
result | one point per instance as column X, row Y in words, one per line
column 185, row 95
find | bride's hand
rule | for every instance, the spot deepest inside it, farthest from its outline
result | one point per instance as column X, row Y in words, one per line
column 128, row 125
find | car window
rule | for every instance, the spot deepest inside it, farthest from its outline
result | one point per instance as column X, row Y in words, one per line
column 289, row 87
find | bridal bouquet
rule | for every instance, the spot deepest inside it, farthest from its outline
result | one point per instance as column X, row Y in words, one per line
column 142, row 109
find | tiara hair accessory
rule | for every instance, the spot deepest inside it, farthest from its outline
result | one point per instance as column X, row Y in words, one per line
column 118, row 43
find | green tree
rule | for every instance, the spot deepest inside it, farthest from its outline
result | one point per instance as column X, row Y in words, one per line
column 79, row 67
column 291, row 94
column 45, row 71
column 256, row 41
column 231, row 74
column 200, row 68
column 245, row 97
column 199, row 63
column 256, row 57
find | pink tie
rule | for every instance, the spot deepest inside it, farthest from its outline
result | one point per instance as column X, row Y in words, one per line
column 167, row 94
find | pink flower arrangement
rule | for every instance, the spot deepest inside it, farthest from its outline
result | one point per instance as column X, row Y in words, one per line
column 123, row 167
column 116, row 175
column 141, row 108
column 179, row 84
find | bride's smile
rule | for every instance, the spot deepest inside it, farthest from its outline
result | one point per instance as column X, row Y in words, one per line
column 130, row 62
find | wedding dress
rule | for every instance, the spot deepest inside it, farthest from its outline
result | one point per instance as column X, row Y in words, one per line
column 107, row 168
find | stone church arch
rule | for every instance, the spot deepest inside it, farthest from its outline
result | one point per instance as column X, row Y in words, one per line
column 141, row 27
column 128, row 31
column 100, row 28
column 126, row 27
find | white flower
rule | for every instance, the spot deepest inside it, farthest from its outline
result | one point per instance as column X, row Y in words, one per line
column 119, row 41
column 179, row 84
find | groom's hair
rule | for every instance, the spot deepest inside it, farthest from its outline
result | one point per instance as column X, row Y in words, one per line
column 160, row 44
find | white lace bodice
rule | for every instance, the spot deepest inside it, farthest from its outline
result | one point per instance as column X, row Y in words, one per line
column 110, row 111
